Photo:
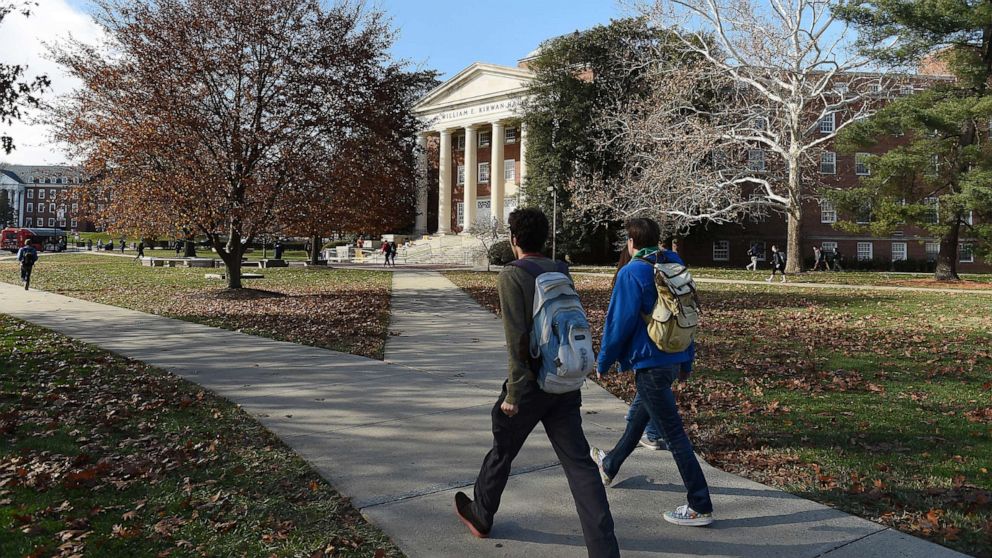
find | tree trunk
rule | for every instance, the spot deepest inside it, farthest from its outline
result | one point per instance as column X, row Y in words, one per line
column 314, row 249
column 947, row 259
column 794, row 244
column 235, row 251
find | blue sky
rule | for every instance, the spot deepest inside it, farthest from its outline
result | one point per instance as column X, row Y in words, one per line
column 448, row 35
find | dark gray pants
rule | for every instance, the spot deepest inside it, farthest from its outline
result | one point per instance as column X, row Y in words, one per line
column 563, row 423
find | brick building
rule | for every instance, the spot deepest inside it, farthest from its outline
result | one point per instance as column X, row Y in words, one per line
column 38, row 194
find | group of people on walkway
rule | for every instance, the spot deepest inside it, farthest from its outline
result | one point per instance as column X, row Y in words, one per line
column 523, row 403
column 388, row 249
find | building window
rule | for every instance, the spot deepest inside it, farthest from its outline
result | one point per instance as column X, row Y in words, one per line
column 861, row 164
column 864, row 251
column 461, row 174
column 459, row 142
column 864, row 215
column 841, row 88
column 62, row 223
column 935, row 164
column 73, row 223
column 484, row 173
column 828, row 162
column 721, row 250
column 756, row 159
column 933, row 210
column 906, row 90
column 51, row 221
column 28, row 222
column 51, row 208
column 932, row 250
column 898, row 251
column 485, row 138
column 965, row 253
column 828, row 247
column 51, row 193
column 75, row 207
column 509, row 170
column 31, row 193
column 41, row 194
column 30, row 208
column 875, row 88
column 511, row 135
column 827, row 124
column 828, row 213
column 48, row 181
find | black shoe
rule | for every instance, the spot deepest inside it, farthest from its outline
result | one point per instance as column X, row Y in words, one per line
column 463, row 508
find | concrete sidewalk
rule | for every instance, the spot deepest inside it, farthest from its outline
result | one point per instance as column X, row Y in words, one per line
column 399, row 437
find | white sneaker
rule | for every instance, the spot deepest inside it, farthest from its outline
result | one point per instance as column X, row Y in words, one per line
column 652, row 444
column 769, row 280
column 598, row 456
column 684, row 515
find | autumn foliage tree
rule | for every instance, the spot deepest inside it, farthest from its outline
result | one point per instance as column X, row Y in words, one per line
column 201, row 113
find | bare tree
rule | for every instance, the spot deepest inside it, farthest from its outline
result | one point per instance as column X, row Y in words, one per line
column 489, row 231
column 740, row 119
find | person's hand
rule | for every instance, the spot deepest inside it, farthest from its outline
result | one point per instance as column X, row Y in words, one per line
column 508, row 409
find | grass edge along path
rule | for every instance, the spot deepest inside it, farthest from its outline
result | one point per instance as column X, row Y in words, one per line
column 105, row 456
column 343, row 310
column 876, row 403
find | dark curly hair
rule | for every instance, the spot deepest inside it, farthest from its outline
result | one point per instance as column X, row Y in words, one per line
column 644, row 232
column 529, row 226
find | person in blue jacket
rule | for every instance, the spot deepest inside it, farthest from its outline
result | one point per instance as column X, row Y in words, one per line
column 626, row 340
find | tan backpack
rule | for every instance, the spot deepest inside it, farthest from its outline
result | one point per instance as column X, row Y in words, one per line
column 673, row 323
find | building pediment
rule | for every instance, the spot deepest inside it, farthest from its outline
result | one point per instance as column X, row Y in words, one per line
column 478, row 86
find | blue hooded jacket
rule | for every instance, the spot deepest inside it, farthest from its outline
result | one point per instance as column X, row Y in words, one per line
column 625, row 335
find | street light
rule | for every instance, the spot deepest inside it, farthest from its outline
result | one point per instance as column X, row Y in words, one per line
column 554, row 221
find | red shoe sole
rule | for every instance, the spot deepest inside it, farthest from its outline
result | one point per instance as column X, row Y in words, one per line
column 475, row 532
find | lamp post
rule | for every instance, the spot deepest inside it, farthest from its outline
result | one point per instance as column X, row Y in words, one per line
column 554, row 221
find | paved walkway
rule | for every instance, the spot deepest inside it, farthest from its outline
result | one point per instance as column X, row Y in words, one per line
column 399, row 437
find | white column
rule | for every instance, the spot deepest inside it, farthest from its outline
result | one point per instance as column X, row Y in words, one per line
column 19, row 204
column 444, row 185
column 523, row 164
column 471, row 176
column 496, row 177
column 420, row 223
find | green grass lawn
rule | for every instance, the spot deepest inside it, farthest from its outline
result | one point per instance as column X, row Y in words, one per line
column 104, row 456
column 841, row 278
column 878, row 403
column 343, row 310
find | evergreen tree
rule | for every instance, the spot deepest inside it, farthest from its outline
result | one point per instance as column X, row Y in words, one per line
column 6, row 210
column 577, row 77
column 941, row 177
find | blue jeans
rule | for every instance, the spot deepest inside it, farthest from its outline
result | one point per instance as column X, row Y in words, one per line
column 654, row 386
column 651, row 431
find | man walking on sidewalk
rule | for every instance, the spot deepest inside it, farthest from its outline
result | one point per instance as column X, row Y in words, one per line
column 27, row 256
column 626, row 339
column 522, row 404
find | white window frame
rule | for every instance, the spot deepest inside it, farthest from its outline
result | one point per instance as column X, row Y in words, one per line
column 866, row 251
column 841, row 88
column 460, row 175
column 458, row 142
column 509, row 170
column 485, row 138
column 828, row 123
column 970, row 252
column 51, row 222
column 932, row 250
column 900, row 252
column 934, row 202
column 29, row 222
column 828, row 162
column 756, row 159
column 31, row 193
column 874, row 88
column 510, row 136
column 75, row 207
column 828, row 212
column 62, row 222
column 828, row 246
column 52, row 193
column 861, row 167
column 51, row 208
column 906, row 90
column 484, row 173
column 863, row 216
column 29, row 208
column 73, row 223
column 41, row 194
column 721, row 250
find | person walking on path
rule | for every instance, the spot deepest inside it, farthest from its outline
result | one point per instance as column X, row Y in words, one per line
column 819, row 261
column 626, row 339
column 522, row 404
column 122, row 246
column 89, row 244
column 27, row 256
column 752, row 252
column 141, row 250
column 179, row 247
column 778, row 264
column 838, row 259
column 384, row 248
column 278, row 250
column 392, row 253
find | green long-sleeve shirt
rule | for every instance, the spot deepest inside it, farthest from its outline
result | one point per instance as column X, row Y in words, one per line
column 516, row 302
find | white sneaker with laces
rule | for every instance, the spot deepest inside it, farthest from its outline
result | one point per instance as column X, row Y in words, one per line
column 684, row 515
column 650, row 444
column 598, row 456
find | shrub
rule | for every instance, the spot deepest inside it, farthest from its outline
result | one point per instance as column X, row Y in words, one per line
column 501, row 253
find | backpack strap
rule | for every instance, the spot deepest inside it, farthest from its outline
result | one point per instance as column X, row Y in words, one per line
column 532, row 267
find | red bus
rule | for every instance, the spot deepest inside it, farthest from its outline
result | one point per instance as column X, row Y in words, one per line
column 11, row 239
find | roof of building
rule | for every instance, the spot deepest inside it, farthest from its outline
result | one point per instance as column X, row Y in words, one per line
column 26, row 174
